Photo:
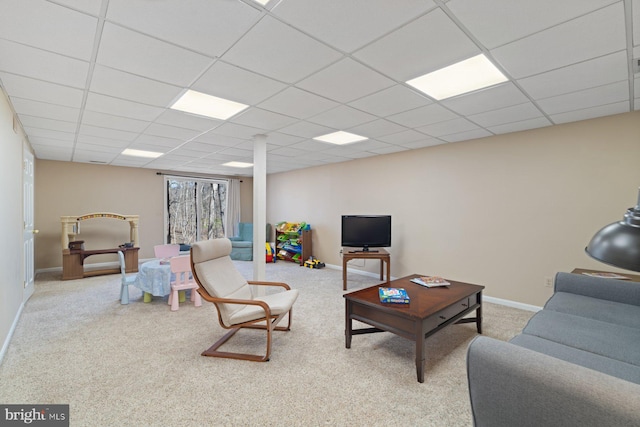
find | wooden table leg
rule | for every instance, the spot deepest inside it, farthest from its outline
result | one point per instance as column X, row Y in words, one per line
column 344, row 274
column 388, row 271
column 479, row 313
column 420, row 354
column 348, row 328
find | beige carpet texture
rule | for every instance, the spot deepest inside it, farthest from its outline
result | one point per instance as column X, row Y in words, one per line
column 140, row 364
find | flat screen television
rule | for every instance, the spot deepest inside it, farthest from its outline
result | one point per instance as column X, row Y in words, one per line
column 366, row 231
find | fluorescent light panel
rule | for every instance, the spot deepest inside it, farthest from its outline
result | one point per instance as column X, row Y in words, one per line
column 340, row 138
column 238, row 164
column 207, row 105
column 463, row 77
column 141, row 153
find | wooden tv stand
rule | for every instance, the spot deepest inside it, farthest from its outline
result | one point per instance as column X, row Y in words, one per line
column 380, row 254
column 73, row 262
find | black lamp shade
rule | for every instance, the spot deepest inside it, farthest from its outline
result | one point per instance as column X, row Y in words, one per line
column 618, row 244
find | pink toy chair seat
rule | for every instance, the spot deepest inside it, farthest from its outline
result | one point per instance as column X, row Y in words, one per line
column 166, row 251
column 181, row 267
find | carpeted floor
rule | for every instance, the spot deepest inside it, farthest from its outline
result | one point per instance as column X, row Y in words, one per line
column 140, row 364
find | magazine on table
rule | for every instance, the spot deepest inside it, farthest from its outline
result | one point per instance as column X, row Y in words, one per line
column 430, row 281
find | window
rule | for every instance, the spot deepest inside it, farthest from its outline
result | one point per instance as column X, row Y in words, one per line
column 195, row 209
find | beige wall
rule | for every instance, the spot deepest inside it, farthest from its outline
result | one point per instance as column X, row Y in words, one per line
column 505, row 211
column 66, row 188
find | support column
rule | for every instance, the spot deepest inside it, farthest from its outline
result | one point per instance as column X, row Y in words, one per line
column 259, row 205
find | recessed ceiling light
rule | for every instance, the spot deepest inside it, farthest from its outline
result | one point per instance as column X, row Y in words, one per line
column 207, row 105
column 238, row 164
column 340, row 138
column 141, row 153
column 465, row 76
column 262, row 2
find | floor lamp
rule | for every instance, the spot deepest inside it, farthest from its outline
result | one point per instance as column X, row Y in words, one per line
column 618, row 244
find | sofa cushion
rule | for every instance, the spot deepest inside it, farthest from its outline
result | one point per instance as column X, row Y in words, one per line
column 623, row 291
column 602, row 338
column 607, row 365
column 594, row 308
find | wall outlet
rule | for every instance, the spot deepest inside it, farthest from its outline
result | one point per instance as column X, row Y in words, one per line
column 548, row 282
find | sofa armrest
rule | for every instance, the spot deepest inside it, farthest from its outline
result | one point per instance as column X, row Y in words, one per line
column 514, row 386
column 622, row 291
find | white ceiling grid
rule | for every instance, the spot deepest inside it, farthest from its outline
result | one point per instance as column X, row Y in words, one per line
column 89, row 78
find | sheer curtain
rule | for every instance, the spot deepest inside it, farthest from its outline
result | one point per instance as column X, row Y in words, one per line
column 233, row 212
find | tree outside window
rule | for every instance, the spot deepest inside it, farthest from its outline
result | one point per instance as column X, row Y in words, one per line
column 195, row 209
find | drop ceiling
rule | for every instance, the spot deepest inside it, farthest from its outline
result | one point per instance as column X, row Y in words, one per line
column 90, row 78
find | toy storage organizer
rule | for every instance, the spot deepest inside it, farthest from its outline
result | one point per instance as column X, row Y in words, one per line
column 293, row 242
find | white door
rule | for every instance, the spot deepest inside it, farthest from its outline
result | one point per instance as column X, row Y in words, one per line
column 29, row 231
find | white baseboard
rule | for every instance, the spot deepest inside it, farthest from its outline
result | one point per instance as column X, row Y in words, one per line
column 500, row 301
column 5, row 344
column 509, row 303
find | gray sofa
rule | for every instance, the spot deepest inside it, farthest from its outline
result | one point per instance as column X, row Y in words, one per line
column 576, row 363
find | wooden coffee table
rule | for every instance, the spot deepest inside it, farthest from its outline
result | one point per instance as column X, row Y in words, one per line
column 430, row 311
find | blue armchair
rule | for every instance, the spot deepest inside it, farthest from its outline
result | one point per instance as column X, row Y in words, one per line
column 242, row 244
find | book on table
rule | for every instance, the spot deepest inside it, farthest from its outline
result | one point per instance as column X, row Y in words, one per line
column 430, row 281
column 394, row 295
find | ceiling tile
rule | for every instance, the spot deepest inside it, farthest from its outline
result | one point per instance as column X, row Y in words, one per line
column 377, row 128
column 350, row 25
column 264, row 119
column 105, row 143
column 521, row 125
column 50, row 134
column 423, row 143
column 43, row 123
column 89, row 6
column 514, row 113
column 161, row 143
column 596, row 72
column 42, row 109
column 467, row 135
column 493, row 98
column 393, row 100
column 448, row 127
column 600, row 95
column 210, row 27
column 342, row 117
column 229, row 82
column 109, row 133
column 306, row 129
column 298, row 103
column 591, row 112
column 47, row 26
column 121, row 107
column 517, row 19
column 108, row 81
column 188, row 121
column 422, row 116
column 236, row 131
column 158, row 129
column 116, row 122
column 428, row 43
column 600, row 33
column 25, row 87
column 404, row 137
column 20, row 59
column 274, row 49
column 345, row 81
column 139, row 54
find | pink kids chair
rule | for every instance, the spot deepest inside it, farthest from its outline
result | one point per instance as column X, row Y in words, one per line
column 181, row 267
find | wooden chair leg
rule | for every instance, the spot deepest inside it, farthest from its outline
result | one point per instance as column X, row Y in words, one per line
column 270, row 327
